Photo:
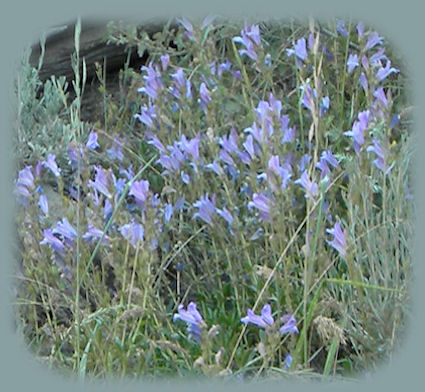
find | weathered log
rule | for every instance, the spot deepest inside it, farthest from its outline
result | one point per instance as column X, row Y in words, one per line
column 59, row 47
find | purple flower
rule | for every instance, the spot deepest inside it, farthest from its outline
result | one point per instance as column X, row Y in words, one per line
column 205, row 98
column 266, row 320
column 192, row 318
column 139, row 189
column 75, row 155
column 224, row 67
column 357, row 134
column 188, row 28
column 225, row 214
column 206, row 208
column 168, row 212
column 383, row 72
column 308, row 96
column 185, row 178
column 147, row 116
column 65, row 229
column 43, row 204
column 352, row 62
column 380, row 161
column 249, row 146
column 379, row 94
column 165, row 61
column 115, row 152
column 323, row 106
column 154, row 141
column 360, row 29
column 373, row 40
column 330, row 158
column 288, row 361
column 190, row 146
column 304, row 161
column 339, row 242
column 376, row 58
column 226, row 158
column 262, row 203
column 92, row 143
column 132, row 232
column 94, row 234
column 169, row 163
column 256, row 132
column 289, row 325
column 324, row 168
column 253, row 32
column 25, row 178
column 311, row 188
column 359, row 127
column 263, row 321
column 229, row 143
column 299, row 50
column 50, row 163
column 153, row 82
column 179, row 82
column 107, row 209
column 215, row 167
column 53, row 241
column 100, row 182
column 250, row 37
column 363, row 82
column 282, row 171
column 340, row 27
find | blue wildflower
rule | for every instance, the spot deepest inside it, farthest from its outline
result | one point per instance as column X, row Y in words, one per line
column 262, row 203
column 139, row 189
column 192, row 318
column 266, row 320
column 133, row 232
column 383, row 72
column 93, row 234
column 100, row 182
column 340, row 27
column 206, row 208
column 53, row 241
column 250, row 37
column 65, row 229
column 188, row 28
column 168, row 212
column 43, row 204
column 115, row 152
column 289, row 324
column 153, row 82
column 165, row 61
column 310, row 187
column 225, row 214
column 263, row 321
column 381, row 153
column 352, row 62
column 299, row 50
column 147, row 115
column 204, row 94
column 339, row 242
column 373, row 40
column 92, row 143
column 50, row 163
column 360, row 29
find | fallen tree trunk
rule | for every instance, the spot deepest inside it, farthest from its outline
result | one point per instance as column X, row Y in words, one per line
column 59, row 48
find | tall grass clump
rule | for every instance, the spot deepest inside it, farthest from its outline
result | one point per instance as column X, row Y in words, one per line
column 251, row 183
